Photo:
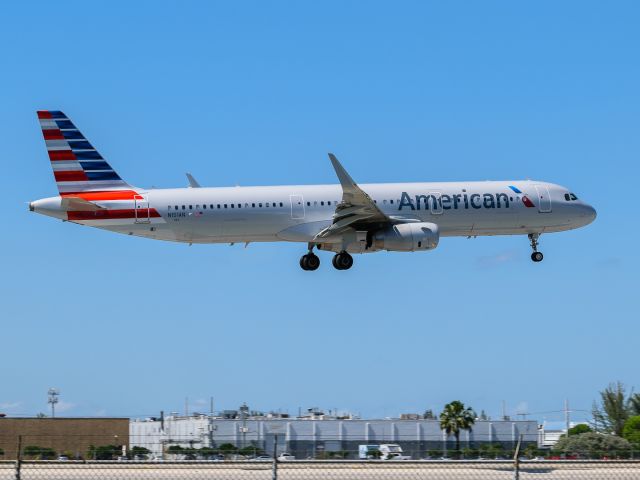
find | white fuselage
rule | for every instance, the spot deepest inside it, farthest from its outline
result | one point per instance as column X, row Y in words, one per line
column 298, row 213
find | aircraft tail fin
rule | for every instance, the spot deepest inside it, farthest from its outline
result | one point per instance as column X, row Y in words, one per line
column 77, row 165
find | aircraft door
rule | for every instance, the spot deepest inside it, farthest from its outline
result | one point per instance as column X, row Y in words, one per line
column 141, row 208
column 297, row 207
column 544, row 199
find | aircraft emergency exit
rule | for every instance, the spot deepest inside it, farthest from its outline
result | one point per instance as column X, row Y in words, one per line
column 345, row 218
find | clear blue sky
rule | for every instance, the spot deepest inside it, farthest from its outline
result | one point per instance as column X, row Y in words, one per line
column 254, row 93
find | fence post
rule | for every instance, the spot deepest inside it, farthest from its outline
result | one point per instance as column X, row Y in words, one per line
column 516, row 460
column 274, row 469
column 19, row 458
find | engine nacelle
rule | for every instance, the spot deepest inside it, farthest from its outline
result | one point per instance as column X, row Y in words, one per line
column 407, row 237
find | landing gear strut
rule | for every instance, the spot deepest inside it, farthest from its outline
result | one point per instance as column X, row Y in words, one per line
column 310, row 261
column 342, row 261
column 536, row 256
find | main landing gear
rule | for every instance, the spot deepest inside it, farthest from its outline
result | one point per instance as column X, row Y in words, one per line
column 536, row 256
column 342, row 261
column 310, row 261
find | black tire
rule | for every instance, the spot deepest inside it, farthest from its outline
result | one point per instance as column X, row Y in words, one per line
column 347, row 261
column 537, row 256
column 313, row 262
column 334, row 262
column 343, row 261
column 304, row 263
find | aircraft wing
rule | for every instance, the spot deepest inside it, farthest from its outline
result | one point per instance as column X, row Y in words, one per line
column 356, row 210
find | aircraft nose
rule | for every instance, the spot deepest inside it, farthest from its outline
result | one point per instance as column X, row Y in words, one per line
column 588, row 213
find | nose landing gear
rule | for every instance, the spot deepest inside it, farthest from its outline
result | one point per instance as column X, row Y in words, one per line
column 536, row 256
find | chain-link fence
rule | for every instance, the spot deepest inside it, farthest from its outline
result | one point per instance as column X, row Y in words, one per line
column 321, row 470
column 115, row 454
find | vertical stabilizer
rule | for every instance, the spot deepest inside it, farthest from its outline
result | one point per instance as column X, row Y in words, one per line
column 77, row 166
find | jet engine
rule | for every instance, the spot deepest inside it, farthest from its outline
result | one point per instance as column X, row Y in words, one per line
column 407, row 237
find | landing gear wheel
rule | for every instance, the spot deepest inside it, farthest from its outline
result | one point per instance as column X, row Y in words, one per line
column 342, row 261
column 536, row 256
column 313, row 262
column 309, row 262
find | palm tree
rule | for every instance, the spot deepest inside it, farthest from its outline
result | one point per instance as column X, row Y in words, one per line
column 455, row 418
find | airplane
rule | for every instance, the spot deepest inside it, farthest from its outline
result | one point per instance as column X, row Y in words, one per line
column 345, row 218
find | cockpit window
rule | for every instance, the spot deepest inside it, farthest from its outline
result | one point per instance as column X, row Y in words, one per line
column 567, row 197
column 573, row 196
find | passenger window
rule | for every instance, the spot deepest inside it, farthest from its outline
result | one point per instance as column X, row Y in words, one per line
column 391, row 201
column 567, row 197
column 384, row 201
column 190, row 207
column 183, row 207
column 239, row 205
column 218, row 205
column 281, row 204
column 197, row 207
column 211, row 206
column 274, row 204
column 204, row 206
column 253, row 205
column 225, row 205
column 329, row 203
column 260, row 205
column 176, row 207
column 308, row 204
column 232, row 205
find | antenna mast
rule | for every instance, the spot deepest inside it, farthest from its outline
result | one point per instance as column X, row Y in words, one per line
column 53, row 399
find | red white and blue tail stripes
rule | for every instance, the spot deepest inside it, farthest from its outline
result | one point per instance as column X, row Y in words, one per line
column 82, row 173
column 77, row 165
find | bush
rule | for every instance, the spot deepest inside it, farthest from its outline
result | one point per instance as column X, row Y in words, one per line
column 227, row 448
column 469, row 453
column 631, row 430
column 40, row 453
column 250, row 450
column 580, row 428
column 593, row 445
column 104, row 452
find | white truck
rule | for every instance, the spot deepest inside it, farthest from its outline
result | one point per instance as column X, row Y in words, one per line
column 387, row 451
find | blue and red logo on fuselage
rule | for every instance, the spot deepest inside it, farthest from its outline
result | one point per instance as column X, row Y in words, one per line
column 527, row 202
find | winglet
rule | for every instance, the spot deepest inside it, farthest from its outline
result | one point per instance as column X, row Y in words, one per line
column 193, row 183
column 343, row 176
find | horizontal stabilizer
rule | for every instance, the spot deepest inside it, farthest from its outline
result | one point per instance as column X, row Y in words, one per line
column 79, row 205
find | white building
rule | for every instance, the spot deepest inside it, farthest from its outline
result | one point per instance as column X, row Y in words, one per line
column 307, row 438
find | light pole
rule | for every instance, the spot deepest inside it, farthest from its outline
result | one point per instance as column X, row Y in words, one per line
column 53, row 399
